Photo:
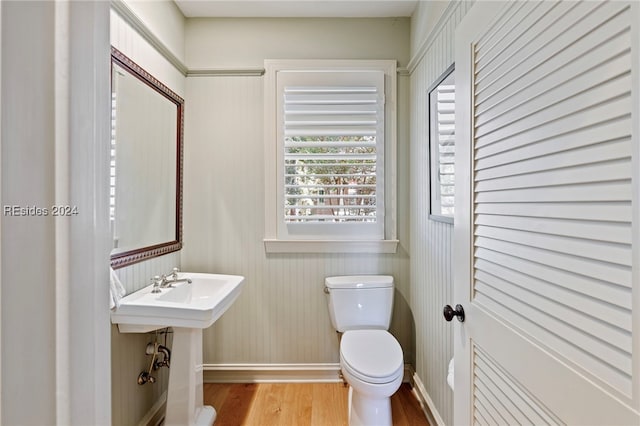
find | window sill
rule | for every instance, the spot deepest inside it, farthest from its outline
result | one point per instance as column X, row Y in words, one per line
column 331, row 246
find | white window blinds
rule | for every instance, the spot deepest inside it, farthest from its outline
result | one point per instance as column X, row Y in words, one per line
column 332, row 136
column 446, row 146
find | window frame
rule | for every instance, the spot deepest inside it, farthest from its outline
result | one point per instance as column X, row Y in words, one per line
column 274, row 241
column 434, row 163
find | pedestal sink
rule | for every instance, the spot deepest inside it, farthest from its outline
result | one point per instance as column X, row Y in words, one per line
column 188, row 308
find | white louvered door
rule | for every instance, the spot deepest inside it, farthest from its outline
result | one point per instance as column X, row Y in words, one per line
column 547, row 218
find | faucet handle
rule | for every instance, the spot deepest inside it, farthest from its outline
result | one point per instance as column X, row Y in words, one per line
column 156, row 284
column 175, row 272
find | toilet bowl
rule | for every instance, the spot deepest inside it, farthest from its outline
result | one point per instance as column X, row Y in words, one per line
column 372, row 364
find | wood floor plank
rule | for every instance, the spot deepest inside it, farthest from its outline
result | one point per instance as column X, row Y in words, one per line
column 268, row 405
column 410, row 406
column 398, row 415
column 329, row 404
column 277, row 404
column 298, row 404
column 215, row 394
column 236, row 407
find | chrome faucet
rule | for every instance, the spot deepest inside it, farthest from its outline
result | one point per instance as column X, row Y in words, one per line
column 167, row 281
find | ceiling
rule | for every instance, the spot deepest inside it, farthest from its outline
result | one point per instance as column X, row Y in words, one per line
column 296, row 8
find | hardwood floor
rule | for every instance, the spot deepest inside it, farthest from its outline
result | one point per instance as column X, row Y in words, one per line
column 298, row 404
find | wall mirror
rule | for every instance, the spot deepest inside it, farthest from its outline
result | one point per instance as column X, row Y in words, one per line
column 146, row 164
column 442, row 146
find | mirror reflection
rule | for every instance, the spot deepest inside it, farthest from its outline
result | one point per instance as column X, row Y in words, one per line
column 146, row 145
column 442, row 141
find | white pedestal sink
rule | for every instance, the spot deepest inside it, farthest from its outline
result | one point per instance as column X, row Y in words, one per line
column 188, row 308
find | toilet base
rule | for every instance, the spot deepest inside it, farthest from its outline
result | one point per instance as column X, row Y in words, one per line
column 367, row 411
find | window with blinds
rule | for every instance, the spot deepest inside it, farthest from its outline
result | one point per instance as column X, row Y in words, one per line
column 330, row 156
column 442, row 146
column 330, row 131
column 331, row 153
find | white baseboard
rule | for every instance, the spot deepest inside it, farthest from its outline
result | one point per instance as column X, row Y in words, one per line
column 278, row 373
column 156, row 414
column 429, row 408
column 271, row 373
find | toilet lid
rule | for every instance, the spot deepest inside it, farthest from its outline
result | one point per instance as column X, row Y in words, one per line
column 374, row 356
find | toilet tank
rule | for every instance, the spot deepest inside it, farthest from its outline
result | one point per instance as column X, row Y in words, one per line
column 360, row 301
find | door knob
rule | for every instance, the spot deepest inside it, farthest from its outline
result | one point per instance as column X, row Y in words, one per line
column 449, row 313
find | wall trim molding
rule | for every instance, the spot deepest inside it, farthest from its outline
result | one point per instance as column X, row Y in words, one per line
column 226, row 72
column 433, row 35
column 427, row 404
column 155, row 415
column 280, row 373
column 248, row 72
column 130, row 17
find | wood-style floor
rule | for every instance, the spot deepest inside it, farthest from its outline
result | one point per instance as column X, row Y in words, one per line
column 298, row 404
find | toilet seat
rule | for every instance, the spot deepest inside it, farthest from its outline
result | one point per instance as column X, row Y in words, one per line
column 373, row 356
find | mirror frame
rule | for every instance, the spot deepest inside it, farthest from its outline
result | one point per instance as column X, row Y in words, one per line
column 129, row 257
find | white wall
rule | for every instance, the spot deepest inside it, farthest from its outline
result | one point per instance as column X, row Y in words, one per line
column 54, row 270
column 27, row 240
column 163, row 19
column 431, row 243
column 246, row 43
column 281, row 316
column 133, row 403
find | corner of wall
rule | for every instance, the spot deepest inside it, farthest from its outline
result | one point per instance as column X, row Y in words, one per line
column 431, row 267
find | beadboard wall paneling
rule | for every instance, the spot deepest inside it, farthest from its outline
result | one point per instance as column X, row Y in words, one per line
column 134, row 277
column 130, row 401
column 281, row 317
column 431, row 242
column 131, row 43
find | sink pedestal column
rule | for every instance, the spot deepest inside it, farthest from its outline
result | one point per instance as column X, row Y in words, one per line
column 185, row 395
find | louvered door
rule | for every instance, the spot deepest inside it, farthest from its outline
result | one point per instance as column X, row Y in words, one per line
column 546, row 226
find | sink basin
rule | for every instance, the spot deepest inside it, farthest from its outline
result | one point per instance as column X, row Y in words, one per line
column 195, row 305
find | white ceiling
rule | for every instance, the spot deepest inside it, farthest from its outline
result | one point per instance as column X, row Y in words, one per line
column 296, row 8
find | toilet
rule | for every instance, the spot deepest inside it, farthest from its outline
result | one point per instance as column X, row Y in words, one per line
column 371, row 359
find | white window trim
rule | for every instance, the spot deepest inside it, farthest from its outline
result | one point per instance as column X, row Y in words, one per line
column 272, row 243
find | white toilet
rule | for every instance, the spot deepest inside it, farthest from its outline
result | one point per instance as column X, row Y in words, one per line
column 370, row 357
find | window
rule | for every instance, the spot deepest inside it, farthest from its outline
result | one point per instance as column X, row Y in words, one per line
column 330, row 156
column 442, row 138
